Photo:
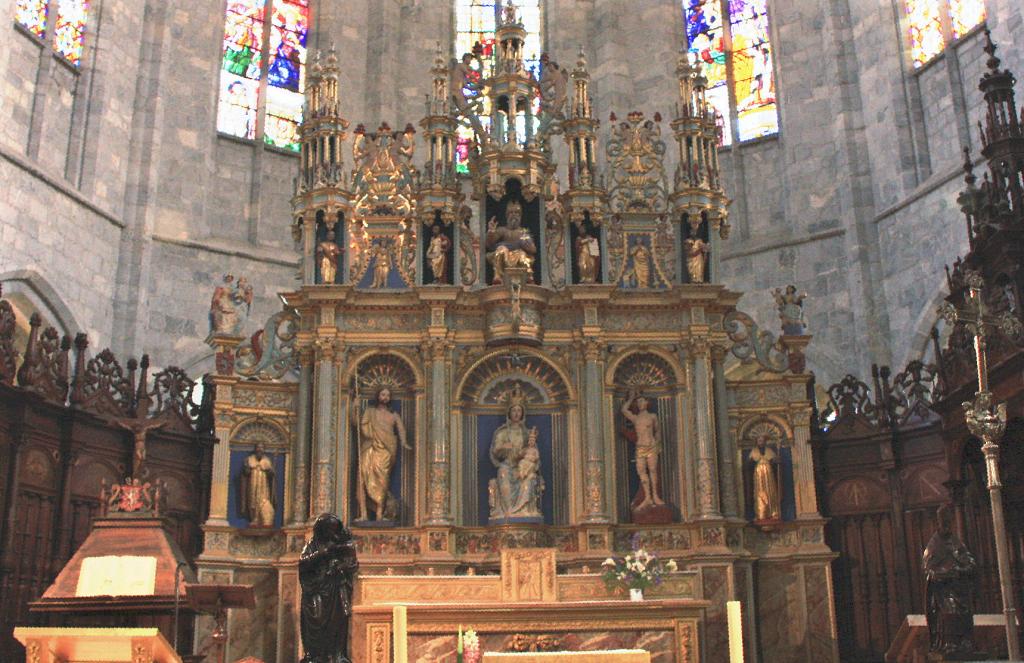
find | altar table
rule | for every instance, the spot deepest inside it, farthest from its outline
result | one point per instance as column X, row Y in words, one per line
column 616, row 656
column 95, row 645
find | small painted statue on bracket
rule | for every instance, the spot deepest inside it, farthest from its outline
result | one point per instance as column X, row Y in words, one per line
column 791, row 310
column 327, row 573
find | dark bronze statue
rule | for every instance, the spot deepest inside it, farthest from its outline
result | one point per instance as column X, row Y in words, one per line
column 949, row 572
column 327, row 570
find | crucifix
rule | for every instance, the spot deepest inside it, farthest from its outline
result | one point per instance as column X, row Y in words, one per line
column 989, row 423
column 139, row 428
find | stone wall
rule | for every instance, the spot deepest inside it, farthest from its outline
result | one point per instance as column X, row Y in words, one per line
column 118, row 183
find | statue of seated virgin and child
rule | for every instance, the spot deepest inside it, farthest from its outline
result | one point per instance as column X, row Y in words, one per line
column 514, row 494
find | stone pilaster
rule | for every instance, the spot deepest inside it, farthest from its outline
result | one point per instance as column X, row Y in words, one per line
column 726, row 443
column 300, row 457
column 438, row 353
column 224, row 419
column 803, row 463
column 699, row 350
column 325, row 430
column 595, row 499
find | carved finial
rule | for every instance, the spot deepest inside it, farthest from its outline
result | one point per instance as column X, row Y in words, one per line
column 990, row 48
column 969, row 177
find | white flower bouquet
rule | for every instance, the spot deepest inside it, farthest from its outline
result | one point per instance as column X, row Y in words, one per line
column 639, row 569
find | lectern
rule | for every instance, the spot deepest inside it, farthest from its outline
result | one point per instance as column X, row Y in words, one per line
column 217, row 600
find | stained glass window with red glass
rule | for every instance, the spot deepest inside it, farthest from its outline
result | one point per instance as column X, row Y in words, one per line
column 263, row 70
column 31, row 15
column 730, row 40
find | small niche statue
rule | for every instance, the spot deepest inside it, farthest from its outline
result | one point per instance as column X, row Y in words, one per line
column 949, row 582
column 437, row 254
column 256, row 489
column 327, row 253
column 327, row 572
column 695, row 251
column 588, row 256
column 765, row 480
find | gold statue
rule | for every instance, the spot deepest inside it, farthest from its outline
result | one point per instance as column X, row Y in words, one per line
column 256, row 489
column 327, row 252
column 588, row 254
column 380, row 432
column 437, row 255
column 511, row 245
column 648, row 446
column 767, row 505
column 381, row 267
column 695, row 250
column 515, row 492
column 641, row 265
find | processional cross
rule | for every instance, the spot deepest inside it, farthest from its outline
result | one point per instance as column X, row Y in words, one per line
column 989, row 424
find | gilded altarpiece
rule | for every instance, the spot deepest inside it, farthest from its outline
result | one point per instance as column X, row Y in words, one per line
column 525, row 401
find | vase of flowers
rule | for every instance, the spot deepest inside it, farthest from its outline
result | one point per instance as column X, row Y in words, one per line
column 636, row 571
column 467, row 647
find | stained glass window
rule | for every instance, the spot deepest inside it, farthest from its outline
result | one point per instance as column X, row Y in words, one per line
column 31, row 14
column 475, row 23
column 252, row 68
column 745, row 65
column 933, row 24
column 68, row 28
column 965, row 15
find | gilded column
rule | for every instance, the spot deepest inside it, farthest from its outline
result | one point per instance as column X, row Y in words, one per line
column 707, row 477
column 324, row 428
column 726, row 443
column 439, row 487
column 595, row 509
column 300, row 460
column 803, row 464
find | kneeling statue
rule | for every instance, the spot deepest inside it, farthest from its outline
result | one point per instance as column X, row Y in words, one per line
column 327, row 571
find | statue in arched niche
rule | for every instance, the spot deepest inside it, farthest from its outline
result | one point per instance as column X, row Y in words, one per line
column 514, row 494
column 381, row 431
column 764, row 473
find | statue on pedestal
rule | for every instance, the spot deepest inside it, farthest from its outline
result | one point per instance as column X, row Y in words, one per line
column 230, row 302
column 327, row 571
column 327, row 253
column 791, row 310
column 514, row 494
column 256, row 489
column 381, row 267
column 647, row 437
column 949, row 570
column 380, row 432
column 510, row 245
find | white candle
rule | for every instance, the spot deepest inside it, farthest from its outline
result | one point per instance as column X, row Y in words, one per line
column 735, row 631
column 399, row 628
